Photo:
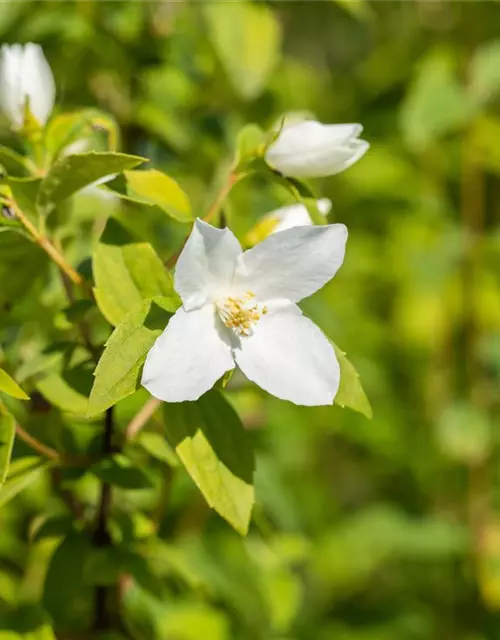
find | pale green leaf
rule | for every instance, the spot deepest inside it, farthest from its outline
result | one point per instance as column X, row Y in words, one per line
column 10, row 387
column 154, row 188
column 71, row 173
column 126, row 273
column 485, row 73
column 351, row 394
column 247, row 39
column 217, row 452
column 69, row 389
column 157, row 447
column 437, row 103
column 21, row 475
column 359, row 9
column 7, row 435
column 118, row 373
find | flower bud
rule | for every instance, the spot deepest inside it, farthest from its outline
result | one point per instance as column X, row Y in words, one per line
column 25, row 78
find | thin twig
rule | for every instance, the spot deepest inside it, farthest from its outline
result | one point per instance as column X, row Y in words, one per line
column 141, row 418
column 45, row 244
column 36, row 445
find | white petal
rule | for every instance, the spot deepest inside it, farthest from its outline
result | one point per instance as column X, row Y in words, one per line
column 188, row 358
column 289, row 356
column 206, row 264
column 11, row 100
column 38, row 82
column 292, row 264
column 296, row 215
column 311, row 149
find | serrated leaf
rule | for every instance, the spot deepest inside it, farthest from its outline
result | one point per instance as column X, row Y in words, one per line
column 7, row 435
column 154, row 188
column 217, row 452
column 351, row 394
column 10, row 387
column 71, row 173
column 126, row 273
column 247, row 39
column 20, row 477
column 118, row 372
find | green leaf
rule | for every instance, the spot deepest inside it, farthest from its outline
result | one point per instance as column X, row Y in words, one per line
column 153, row 188
column 10, row 387
column 436, row 104
column 250, row 140
column 126, row 273
column 359, row 9
column 73, row 172
column 7, row 435
column 217, row 452
column 71, row 605
column 157, row 447
column 247, row 39
column 484, row 72
column 68, row 390
column 351, row 394
column 13, row 163
column 119, row 370
column 21, row 475
column 121, row 472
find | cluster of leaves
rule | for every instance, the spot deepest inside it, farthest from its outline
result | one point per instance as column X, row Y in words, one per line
column 361, row 530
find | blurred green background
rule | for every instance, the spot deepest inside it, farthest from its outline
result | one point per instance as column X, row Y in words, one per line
column 382, row 529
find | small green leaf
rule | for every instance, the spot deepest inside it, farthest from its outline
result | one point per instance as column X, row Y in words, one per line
column 217, row 452
column 351, row 394
column 11, row 388
column 126, row 273
column 250, row 140
column 121, row 472
column 7, row 435
column 13, row 163
column 247, row 39
column 359, row 9
column 157, row 447
column 73, row 172
column 154, row 188
column 69, row 389
column 118, row 373
column 21, row 475
column 484, row 73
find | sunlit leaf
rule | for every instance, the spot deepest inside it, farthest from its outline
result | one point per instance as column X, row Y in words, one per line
column 73, row 172
column 351, row 394
column 127, row 272
column 247, row 39
column 118, row 373
column 217, row 453
column 10, row 387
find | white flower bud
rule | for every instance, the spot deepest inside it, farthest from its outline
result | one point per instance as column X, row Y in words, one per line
column 25, row 75
column 310, row 149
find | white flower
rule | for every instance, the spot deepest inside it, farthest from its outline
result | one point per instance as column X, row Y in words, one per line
column 239, row 308
column 294, row 215
column 25, row 75
column 310, row 149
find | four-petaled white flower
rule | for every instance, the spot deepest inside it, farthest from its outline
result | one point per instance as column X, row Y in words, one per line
column 239, row 308
column 310, row 149
column 25, row 75
column 294, row 215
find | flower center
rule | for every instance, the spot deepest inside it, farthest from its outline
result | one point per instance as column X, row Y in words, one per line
column 240, row 313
